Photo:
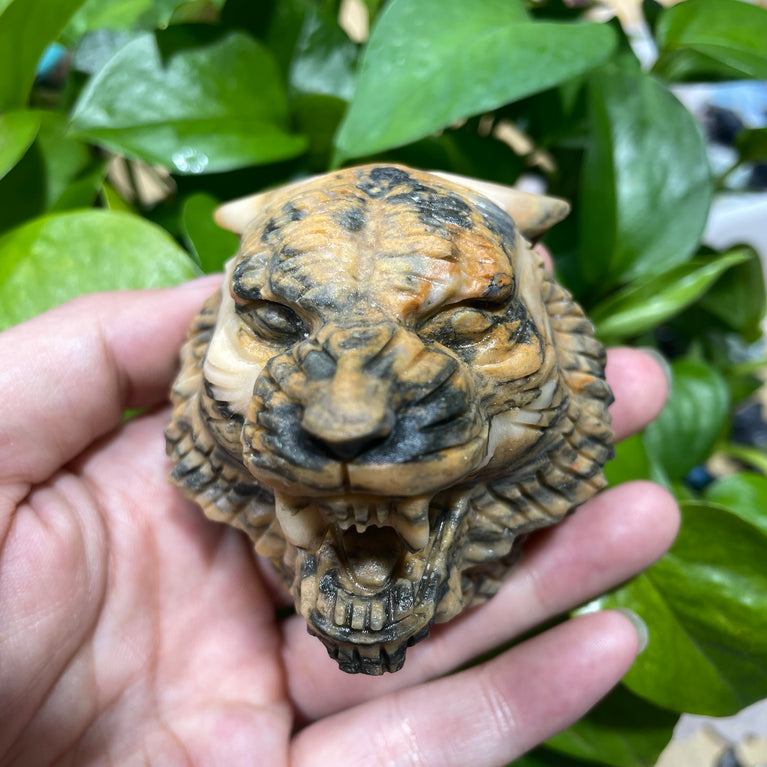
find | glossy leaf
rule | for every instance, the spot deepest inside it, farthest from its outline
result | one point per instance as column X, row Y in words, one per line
column 190, row 104
column 23, row 190
column 279, row 25
column 73, row 173
column 744, row 494
column 647, row 302
column 93, row 50
column 692, row 420
column 57, row 257
column 106, row 14
column 317, row 117
column 324, row 59
column 17, row 132
column 712, row 38
column 124, row 15
column 429, row 63
column 26, row 28
column 622, row 730
column 212, row 245
column 705, row 604
column 56, row 173
column 646, row 185
column 738, row 299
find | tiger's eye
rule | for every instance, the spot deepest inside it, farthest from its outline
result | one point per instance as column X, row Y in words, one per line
column 459, row 327
column 469, row 323
column 273, row 322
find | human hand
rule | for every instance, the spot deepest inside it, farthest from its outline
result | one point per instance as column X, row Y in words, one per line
column 134, row 631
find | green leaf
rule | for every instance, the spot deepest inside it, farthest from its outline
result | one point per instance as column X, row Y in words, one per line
column 373, row 6
column 705, row 604
column 60, row 256
column 630, row 461
column 429, row 63
column 647, row 302
column 106, row 14
column 646, row 186
column 278, row 25
column 324, row 59
column 22, row 190
column 94, row 49
column 188, row 11
column 695, row 414
column 212, row 245
column 112, row 200
column 26, row 28
column 189, row 102
column 622, row 730
column 17, row 132
column 752, row 145
column 738, row 298
column 712, row 38
column 744, row 494
column 125, row 15
column 82, row 191
column 73, row 174
column 55, row 173
column 317, row 117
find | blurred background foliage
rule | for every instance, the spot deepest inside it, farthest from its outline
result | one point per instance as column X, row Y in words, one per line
column 123, row 123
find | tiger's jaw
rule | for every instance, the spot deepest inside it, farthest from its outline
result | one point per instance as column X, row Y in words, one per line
column 370, row 571
column 355, row 429
column 368, row 592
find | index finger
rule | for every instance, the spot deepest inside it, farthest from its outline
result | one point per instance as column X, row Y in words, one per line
column 75, row 369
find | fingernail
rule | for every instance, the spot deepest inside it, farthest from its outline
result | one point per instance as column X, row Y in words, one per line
column 661, row 360
column 643, row 633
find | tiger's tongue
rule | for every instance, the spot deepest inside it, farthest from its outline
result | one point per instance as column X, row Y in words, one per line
column 371, row 557
column 360, row 584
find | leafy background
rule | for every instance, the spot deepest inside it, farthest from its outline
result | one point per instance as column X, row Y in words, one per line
column 123, row 123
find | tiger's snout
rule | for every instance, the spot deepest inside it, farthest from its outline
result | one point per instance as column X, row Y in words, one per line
column 349, row 406
column 373, row 407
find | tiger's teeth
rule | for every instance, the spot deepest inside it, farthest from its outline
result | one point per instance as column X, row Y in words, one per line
column 411, row 521
column 302, row 523
column 415, row 509
column 415, row 535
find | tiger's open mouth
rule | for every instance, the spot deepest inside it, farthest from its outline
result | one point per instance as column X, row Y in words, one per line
column 372, row 582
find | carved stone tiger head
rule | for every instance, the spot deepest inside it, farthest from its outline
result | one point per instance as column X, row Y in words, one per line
column 386, row 395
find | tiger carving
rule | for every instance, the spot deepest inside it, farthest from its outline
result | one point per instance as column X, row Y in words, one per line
column 388, row 393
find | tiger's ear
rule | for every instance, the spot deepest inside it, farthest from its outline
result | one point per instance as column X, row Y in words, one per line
column 533, row 214
column 237, row 214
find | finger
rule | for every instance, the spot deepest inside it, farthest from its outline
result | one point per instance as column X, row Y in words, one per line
column 640, row 387
column 548, row 261
column 488, row 715
column 76, row 368
column 615, row 535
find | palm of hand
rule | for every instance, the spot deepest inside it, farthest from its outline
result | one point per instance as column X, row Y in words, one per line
column 157, row 623
column 135, row 631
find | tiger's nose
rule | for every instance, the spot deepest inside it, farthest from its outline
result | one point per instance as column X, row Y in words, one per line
column 349, row 413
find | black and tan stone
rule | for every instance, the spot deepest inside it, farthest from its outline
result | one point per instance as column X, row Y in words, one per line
column 387, row 395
